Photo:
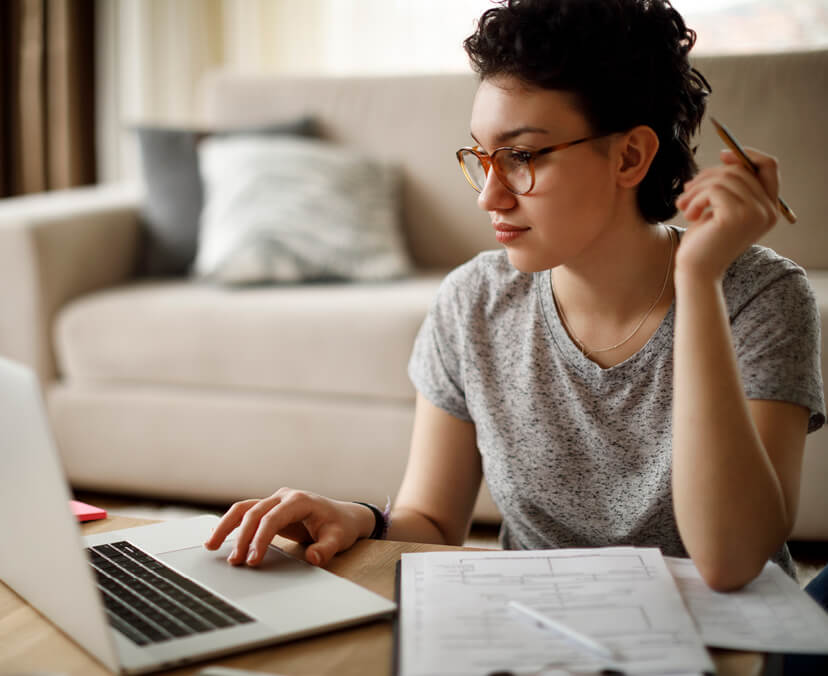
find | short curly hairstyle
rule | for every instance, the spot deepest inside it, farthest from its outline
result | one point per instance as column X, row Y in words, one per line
column 626, row 63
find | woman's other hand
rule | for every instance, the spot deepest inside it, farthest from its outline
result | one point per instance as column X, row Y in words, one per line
column 330, row 525
column 728, row 208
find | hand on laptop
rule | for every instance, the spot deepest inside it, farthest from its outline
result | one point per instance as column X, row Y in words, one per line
column 331, row 525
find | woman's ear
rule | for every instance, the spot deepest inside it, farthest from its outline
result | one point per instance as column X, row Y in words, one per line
column 636, row 151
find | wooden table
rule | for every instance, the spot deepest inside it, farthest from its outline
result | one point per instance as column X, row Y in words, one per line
column 29, row 643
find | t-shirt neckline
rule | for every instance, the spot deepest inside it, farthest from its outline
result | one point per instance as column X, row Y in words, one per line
column 570, row 351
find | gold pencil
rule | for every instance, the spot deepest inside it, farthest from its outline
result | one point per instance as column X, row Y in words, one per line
column 733, row 144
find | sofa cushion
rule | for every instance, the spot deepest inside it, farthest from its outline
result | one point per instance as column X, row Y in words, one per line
column 290, row 209
column 330, row 339
column 169, row 163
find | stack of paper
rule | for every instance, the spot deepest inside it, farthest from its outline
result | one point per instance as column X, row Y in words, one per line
column 771, row 614
column 455, row 617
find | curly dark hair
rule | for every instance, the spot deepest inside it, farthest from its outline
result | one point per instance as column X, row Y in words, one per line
column 626, row 63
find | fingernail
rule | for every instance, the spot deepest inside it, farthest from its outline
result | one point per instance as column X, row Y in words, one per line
column 251, row 555
column 233, row 555
column 315, row 559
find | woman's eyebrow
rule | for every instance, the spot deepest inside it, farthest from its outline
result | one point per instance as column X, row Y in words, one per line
column 505, row 136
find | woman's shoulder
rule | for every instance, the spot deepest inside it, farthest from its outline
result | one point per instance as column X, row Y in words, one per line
column 757, row 270
column 485, row 285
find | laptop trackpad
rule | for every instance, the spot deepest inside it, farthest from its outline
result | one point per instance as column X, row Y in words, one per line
column 276, row 572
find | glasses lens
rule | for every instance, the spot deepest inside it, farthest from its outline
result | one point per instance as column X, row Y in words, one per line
column 514, row 167
column 473, row 169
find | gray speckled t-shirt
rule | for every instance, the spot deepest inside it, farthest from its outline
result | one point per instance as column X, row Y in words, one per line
column 576, row 455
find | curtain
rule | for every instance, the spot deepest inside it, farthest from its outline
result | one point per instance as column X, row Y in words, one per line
column 47, row 104
column 151, row 55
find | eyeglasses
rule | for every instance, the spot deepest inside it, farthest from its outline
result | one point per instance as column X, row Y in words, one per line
column 514, row 167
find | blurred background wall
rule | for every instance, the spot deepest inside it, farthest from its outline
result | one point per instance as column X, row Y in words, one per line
column 152, row 52
column 75, row 74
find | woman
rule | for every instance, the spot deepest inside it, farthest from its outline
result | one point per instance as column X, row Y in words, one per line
column 616, row 380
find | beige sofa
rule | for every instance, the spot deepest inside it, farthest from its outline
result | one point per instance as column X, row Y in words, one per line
column 182, row 389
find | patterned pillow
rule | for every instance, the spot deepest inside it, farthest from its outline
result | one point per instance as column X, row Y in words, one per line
column 169, row 161
column 288, row 209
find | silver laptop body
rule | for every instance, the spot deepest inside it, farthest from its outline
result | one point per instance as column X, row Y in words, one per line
column 44, row 559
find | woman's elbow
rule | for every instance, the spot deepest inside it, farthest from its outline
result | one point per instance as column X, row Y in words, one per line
column 731, row 563
column 723, row 576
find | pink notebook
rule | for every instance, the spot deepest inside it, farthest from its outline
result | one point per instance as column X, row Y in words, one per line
column 86, row 512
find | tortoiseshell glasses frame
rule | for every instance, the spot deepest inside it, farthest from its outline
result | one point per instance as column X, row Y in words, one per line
column 513, row 166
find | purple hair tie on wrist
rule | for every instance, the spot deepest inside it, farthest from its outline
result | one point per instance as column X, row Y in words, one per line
column 382, row 519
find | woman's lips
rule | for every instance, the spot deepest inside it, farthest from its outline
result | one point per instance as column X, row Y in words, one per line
column 506, row 234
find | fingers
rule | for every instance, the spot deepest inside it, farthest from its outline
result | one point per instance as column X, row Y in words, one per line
column 245, row 516
column 739, row 180
column 270, row 523
column 768, row 169
column 228, row 523
column 325, row 548
column 256, row 524
column 735, row 191
column 735, row 195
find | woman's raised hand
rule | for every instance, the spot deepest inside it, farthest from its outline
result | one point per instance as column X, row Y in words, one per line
column 331, row 525
column 728, row 208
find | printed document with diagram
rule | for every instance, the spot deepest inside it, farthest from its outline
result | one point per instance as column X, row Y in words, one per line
column 456, row 620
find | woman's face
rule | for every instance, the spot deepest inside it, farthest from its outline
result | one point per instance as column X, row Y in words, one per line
column 575, row 195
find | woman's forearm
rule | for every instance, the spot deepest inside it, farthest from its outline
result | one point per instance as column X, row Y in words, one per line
column 408, row 525
column 728, row 500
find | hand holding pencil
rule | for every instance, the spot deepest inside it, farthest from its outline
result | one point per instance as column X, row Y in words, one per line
column 733, row 144
column 728, row 207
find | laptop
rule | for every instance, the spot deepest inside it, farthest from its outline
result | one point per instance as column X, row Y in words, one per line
column 149, row 598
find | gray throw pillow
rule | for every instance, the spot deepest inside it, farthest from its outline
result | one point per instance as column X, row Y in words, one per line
column 288, row 209
column 174, row 194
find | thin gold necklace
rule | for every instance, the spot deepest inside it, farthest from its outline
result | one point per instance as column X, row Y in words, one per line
column 580, row 343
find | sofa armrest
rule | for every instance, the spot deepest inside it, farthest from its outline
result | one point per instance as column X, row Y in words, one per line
column 54, row 247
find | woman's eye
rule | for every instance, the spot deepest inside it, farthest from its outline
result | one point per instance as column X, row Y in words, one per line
column 520, row 157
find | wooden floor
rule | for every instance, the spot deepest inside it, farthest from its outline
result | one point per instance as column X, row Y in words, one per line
column 810, row 557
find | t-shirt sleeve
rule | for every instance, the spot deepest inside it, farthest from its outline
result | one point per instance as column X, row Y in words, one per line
column 778, row 344
column 436, row 366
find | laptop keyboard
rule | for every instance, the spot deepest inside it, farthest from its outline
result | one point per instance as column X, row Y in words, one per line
column 149, row 602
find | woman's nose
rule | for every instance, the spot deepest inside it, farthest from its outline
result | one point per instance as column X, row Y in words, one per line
column 494, row 195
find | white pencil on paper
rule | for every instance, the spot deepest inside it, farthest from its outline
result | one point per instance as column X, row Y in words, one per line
column 586, row 642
